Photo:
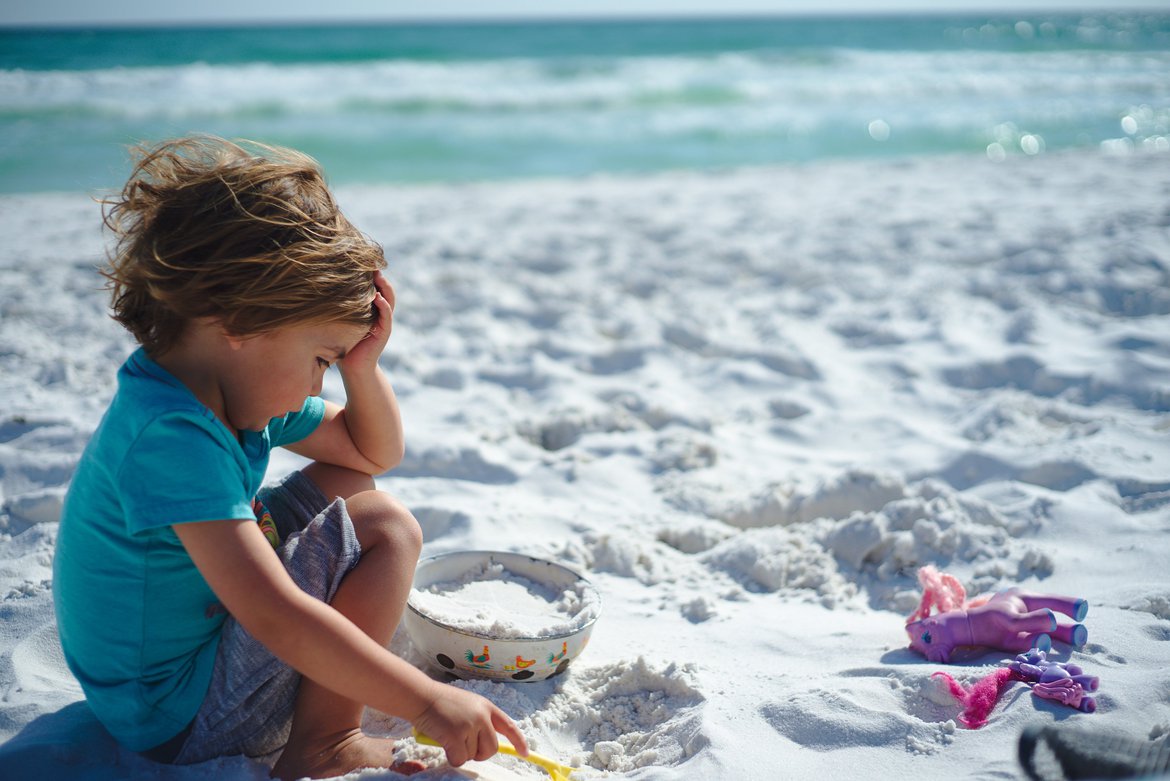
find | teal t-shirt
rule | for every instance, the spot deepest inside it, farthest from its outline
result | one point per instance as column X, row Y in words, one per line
column 139, row 625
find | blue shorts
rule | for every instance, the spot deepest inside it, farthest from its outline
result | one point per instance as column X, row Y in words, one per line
column 249, row 705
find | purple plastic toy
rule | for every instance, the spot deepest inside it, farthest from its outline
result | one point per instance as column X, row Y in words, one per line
column 1011, row 620
column 1061, row 681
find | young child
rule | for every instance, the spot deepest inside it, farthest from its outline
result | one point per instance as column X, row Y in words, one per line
column 202, row 615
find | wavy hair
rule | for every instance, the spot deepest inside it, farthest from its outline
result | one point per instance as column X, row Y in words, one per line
column 244, row 233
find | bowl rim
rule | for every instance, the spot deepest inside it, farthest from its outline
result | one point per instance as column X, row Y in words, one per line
column 494, row 638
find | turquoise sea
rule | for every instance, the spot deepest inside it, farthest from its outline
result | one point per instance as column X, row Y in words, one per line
column 450, row 102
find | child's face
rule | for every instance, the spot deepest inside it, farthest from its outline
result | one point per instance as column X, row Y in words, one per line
column 272, row 374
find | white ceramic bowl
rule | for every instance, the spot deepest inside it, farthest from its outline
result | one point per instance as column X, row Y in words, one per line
column 486, row 650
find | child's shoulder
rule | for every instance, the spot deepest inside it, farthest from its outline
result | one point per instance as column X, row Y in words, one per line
column 152, row 404
column 147, row 391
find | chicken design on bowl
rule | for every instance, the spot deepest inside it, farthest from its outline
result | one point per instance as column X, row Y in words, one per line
column 500, row 616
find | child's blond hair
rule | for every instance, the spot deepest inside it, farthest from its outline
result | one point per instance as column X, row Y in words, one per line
column 243, row 233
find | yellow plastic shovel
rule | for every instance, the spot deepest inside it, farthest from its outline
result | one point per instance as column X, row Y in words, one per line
column 556, row 770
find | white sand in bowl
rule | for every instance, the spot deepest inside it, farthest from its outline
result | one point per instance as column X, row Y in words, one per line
column 493, row 601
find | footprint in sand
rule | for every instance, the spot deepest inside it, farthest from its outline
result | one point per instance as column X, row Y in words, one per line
column 815, row 719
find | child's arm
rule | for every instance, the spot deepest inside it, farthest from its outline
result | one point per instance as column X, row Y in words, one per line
column 367, row 434
column 322, row 644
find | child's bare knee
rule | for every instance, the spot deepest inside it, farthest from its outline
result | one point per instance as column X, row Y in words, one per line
column 379, row 517
column 406, row 527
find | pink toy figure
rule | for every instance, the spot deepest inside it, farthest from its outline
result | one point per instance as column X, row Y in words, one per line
column 940, row 592
column 1061, row 681
column 1068, row 692
column 1010, row 620
column 978, row 699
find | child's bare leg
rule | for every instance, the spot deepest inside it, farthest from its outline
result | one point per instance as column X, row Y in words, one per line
column 337, row 481
column 326, row 738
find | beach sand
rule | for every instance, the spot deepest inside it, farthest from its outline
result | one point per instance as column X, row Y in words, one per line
column 748, row 406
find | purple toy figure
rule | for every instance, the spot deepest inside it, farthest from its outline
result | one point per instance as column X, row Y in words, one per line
column 1010, row 620
column 1061, row 681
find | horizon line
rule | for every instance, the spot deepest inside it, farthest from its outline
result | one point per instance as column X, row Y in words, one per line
column 557, row 18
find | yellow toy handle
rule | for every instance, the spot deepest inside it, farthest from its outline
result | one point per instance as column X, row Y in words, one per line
column 556, row 770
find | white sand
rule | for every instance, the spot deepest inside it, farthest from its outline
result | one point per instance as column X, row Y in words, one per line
column 747, row 406
column 493, row 601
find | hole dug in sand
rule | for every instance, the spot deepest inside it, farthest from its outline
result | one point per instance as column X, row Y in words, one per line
column 621, row 716
column 615, row 717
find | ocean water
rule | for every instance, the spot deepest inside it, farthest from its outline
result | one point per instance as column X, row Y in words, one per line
column 455, row 102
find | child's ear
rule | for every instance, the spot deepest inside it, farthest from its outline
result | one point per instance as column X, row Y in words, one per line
column 233, row 341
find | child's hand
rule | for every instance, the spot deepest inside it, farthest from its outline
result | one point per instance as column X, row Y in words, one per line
column 465, row 725
column 366, row 353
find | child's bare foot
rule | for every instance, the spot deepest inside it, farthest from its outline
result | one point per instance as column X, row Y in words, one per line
column 336, row 755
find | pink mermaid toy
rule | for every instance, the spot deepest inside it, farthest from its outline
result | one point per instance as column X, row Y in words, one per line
column 1011, row 620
